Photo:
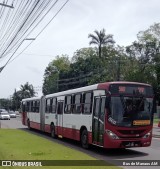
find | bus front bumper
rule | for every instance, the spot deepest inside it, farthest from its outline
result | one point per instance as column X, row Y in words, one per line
column 126, row 142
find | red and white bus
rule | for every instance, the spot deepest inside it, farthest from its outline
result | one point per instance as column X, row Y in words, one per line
column 110, row 115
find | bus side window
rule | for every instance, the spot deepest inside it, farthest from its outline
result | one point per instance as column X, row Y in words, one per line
column 28, row 106
column 77, row 104
column 45, row 105
column 37, row 108
column 87, row 100
column 48, row 105
column 32, row 106
column 54, row 105
column 37, row 103
column 60, row 108
column 68, row 105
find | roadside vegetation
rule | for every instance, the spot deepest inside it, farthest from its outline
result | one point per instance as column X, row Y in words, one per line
column 156, row 120
column 102, row 61
column 20, row 145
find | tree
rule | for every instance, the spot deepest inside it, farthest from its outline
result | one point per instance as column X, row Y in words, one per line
column 26, row 91
column 5, row 103
column 85, row 64
column 151, row 37
column 16, row 100
column 146, row 50
column 56, row 69
column 101, row 39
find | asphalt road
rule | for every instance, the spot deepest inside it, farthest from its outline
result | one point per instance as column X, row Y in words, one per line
column 14, row 123
column 144, row 153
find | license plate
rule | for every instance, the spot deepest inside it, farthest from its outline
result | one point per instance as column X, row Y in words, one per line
column 131, row 144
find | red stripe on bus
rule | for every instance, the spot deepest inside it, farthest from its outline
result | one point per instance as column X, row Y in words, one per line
column 47, row 128
column 35, row 125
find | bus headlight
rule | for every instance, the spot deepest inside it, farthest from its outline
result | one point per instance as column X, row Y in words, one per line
column 147, row 135
column 112, row 135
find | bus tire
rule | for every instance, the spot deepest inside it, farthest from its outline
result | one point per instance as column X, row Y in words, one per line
column 28, row 124
column 53, row 134
column 84, row 139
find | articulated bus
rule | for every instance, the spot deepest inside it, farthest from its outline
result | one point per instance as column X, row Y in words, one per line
column 109, row 115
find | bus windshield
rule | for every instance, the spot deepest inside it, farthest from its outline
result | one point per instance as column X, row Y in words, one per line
column 130, row 111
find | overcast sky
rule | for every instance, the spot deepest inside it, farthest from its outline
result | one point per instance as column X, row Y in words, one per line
column 69, row 32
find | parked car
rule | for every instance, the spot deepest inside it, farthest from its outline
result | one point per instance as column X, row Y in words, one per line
column 4, row 114
column 12, row 114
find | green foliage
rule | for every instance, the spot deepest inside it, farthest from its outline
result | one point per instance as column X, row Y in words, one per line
column 55, row 69
column 101, row 39
column 138, row 62
column 5, row 103
column 147, row 52
column 86, row 68
column 26, row 91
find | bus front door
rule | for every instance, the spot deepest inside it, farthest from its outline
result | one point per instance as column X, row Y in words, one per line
column 98, row 121
column 60, row 119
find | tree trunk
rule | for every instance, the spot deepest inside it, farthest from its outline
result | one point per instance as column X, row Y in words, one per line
column 99, row 51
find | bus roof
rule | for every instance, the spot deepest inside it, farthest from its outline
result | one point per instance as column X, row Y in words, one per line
column 126, row 82
column 107, row 84
column 77, row 90
column 32, row 98
column 100, row 86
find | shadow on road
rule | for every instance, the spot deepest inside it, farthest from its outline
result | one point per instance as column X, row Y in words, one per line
column 94, row 151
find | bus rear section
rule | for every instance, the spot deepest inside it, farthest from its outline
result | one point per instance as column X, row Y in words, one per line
column 128, row 118
column 31, row 112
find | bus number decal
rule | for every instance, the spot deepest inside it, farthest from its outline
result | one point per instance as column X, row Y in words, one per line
column 112, row 120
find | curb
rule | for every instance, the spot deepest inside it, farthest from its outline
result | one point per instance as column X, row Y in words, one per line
column 156, row 126
column 156, row 136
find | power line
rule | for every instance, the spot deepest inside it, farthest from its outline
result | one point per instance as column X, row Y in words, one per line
column 21, row 30
column 26, row 15
column 41, row 30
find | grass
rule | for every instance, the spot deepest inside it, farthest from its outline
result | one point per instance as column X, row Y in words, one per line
column 156, row 120
column 20, row 145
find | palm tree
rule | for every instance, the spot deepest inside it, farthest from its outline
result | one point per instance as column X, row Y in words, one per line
column 27, row 90
column 16, row 100
column 101, row 39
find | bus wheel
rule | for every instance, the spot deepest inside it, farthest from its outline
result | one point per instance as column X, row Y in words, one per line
column 53, row 135
column 84, row 139
column 28, row 124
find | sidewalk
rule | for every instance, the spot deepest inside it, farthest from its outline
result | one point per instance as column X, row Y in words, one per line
column 156, row 131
